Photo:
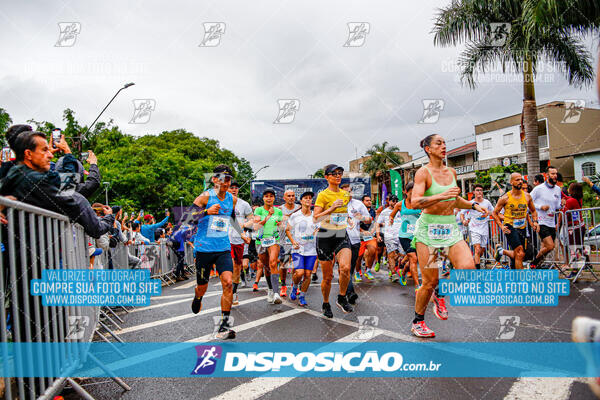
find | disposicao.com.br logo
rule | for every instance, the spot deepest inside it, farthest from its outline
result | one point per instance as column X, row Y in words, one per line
column 350, row 362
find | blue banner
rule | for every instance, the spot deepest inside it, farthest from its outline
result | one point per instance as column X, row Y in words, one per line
column 358, row 186
column 307, row 359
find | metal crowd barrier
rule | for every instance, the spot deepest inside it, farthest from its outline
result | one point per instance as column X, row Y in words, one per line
column 577, row 243
column 35, row 239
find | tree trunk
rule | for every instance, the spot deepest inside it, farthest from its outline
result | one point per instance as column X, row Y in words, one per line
column 530, row 121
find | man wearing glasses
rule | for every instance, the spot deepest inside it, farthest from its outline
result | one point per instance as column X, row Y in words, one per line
column 212, row 245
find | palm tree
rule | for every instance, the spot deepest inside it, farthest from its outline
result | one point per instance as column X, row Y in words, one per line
column 539, row 30
column 381, row 158
column 320, row 173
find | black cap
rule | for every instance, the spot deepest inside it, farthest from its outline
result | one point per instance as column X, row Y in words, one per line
column 331, row 168
column 234, row 184
column 269, row 190
column 116, row 209
column 222, row 168
column 307, row 193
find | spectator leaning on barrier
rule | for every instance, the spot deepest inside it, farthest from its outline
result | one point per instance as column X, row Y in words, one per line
column 30, row 181
column 137, row 236
column 149, row 226
column 181, row 237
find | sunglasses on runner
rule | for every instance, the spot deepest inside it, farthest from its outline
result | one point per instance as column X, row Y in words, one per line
column 337, row 173
column 223, row 177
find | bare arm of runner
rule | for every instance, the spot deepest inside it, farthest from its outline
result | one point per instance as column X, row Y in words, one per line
column 534, row 216
column 496, row 213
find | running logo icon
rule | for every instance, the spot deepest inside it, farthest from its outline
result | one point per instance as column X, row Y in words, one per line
column 212, row 34
column 357, row 33
column 573, row 111
column 499, row 32
column 68, row 34
column 431, row 111
column 508, row 327
column 287, row 111
column 142, row 110
column 77, row 325
column 207, row 359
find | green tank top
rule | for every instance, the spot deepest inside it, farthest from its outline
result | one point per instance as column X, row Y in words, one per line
column 436, row 188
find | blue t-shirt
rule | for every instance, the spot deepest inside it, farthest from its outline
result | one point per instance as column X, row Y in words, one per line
column 213, row 230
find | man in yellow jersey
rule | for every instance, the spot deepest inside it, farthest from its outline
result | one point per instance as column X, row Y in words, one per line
column 515, row 204
column 331, row 213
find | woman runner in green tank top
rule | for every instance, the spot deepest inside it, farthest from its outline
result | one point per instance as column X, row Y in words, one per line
column 437, row 194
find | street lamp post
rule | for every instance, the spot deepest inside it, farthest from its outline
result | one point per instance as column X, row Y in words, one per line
column 181, row 202
column 254, row 175
column 106, row 185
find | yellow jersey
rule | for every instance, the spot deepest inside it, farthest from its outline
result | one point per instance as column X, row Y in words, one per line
column 339, row 217
column 515, row 210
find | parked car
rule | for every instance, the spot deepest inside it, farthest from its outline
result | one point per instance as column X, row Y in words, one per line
column 592, row 238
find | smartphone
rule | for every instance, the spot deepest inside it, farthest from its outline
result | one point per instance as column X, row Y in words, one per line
column 6, row 153
column 84, row 156
column 166, row 210
column 56, row 134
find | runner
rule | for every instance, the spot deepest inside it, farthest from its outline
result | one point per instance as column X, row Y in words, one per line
column 301, row 231
column 368, row 242
column 285, row 253
column 212, row 246
column 390, row 233
column 436, row 192
column 358, row 213
column 478, row 224
column 408, row 219
column 547, row 200
column 238, row 241
column 515, row 204
column 267, row 220
column 331, row 211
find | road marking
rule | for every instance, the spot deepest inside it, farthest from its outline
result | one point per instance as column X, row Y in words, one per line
column 540, row 388
column 252, row 324
column 187, row 297
column 181, row 317
column 258, row 387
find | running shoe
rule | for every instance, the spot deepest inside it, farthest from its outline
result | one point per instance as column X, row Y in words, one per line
column 342, row 303
column 352, row 297
column 584, row 329
column 255, row 287
column 498, row 253
column 315, row 277
column 225, row 331
column 377, row 267
column 420, row 329
column 369, row 275
column 242, row 283
column 384, row 261
column 394, row 278
column 293, row 293
column 196, row 305
column 283, row 291
column 357, row 277
column 302, row 300
column 276, row 299
column 280, row 280
column 236, row 301
column 327, row 310
column 439, row 308
column 270, row 296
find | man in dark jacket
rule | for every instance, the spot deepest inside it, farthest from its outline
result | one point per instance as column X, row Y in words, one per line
column 32, row 182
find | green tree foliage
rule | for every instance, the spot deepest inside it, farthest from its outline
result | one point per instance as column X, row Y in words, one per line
column 320, row 173
column 5, row 121
column 151, row 172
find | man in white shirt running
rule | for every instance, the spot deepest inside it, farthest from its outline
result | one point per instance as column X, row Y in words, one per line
column 547, row 200
column 390, row 234
column 478, row 224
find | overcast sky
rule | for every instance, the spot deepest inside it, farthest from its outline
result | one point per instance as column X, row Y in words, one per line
column 350, row 97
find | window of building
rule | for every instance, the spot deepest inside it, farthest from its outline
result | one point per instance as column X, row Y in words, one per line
column 508, row 139
column 360, row 165
column 487, row 143
column 589, row 168
column 543, row 141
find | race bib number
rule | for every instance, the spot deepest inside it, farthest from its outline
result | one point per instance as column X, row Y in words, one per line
column 339, row 219
column 440, row 231
column 410, row 229
column 366, row 238
column 519, row 223
column 219, row 224
column 267, row 242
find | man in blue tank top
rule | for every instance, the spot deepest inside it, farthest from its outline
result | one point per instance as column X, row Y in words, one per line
column 214, row 211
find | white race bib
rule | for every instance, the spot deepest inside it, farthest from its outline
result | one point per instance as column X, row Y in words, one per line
column 267, row 242
column 366, row 238
column 519, row 223
column 339, row 219
column 440, row 231
column 219, row 224
column 307, row 238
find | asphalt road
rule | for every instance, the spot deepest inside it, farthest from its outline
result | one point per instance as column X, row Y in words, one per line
column 169, row 319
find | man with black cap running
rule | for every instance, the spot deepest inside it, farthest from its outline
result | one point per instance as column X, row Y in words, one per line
column 211, row 244
column 331, row 212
